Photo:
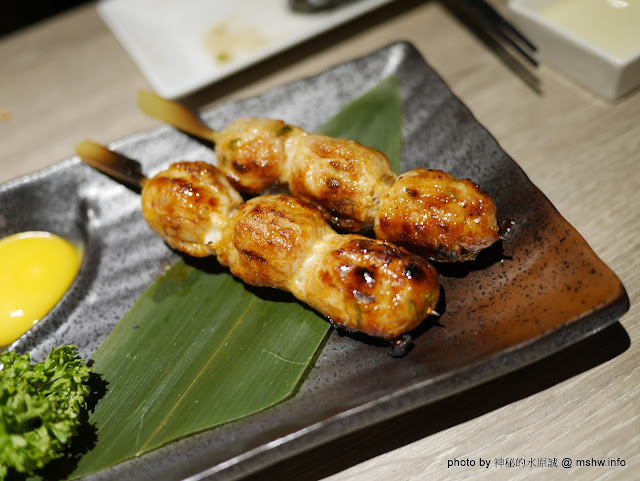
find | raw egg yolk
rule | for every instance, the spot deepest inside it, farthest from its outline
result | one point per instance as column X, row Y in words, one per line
column 36, row 269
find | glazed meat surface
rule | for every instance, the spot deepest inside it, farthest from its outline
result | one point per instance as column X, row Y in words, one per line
column 448, row 218
column 343, row 176
column 271, row 238
column 281, row 241
column 251, row 153
column 357, row 189
column 189, row 206
column 372, row 286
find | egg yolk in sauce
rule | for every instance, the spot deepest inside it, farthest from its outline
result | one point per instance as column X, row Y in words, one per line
column 36, row 269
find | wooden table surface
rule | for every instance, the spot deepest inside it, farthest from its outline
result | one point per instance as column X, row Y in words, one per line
column 67, row 79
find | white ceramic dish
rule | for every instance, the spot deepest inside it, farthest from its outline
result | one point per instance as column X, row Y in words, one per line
column 580, row 52
column 183, row 46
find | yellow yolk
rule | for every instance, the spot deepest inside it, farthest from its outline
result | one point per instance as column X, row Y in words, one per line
column 36, row 269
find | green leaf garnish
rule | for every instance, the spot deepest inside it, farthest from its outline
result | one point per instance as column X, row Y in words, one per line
column 40, row 407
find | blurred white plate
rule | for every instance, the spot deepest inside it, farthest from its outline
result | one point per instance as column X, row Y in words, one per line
column 594, row 42
column 181, row 46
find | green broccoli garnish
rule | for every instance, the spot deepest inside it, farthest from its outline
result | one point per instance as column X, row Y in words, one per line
column 40, row 407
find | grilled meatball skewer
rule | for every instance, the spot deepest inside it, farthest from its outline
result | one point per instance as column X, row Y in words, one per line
column 284, row 242
column 428, row 211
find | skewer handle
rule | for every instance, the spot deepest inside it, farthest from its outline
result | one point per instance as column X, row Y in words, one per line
column 111, row 163
column 175, row 114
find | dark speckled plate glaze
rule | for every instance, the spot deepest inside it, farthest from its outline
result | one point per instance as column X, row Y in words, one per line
column 537, row 292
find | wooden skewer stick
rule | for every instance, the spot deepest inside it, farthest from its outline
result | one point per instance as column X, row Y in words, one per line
column 111, row 163
column 175, row 114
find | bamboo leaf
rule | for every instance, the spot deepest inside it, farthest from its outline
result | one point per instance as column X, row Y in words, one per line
column 200, row 348
column 197, row 350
